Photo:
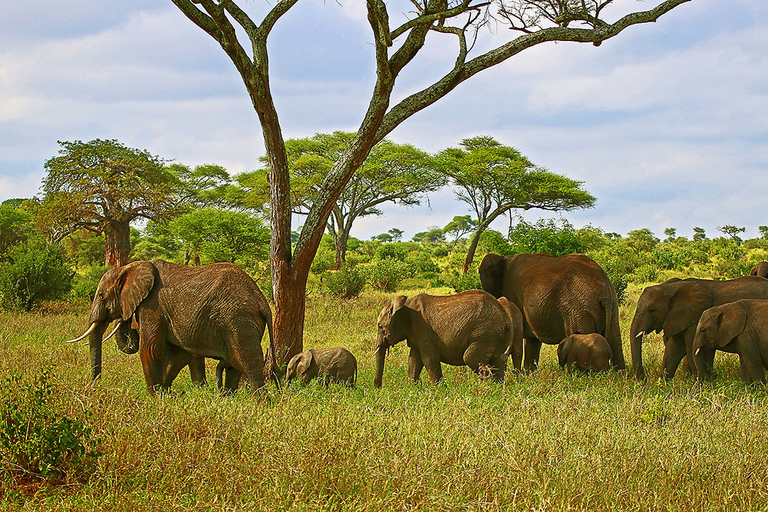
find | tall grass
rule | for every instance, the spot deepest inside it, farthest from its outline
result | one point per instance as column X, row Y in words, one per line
column 545, row 441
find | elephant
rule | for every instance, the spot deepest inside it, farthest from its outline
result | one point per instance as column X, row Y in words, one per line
column 470, row 328
column 761, row 269
column 585, row 352
column 516, row 347
column 675, row 307
column 332, row 365
column 173, row 314
column 558, row 297
column 739, row 327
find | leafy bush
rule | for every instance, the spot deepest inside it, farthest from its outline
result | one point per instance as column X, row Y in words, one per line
column 645, row 273
column 38, row 442
column 422, row 262
column 462, row 282
column 84, row 285
column 387, row 274
column 33, row 271
column 347, row 282
column 551, row 236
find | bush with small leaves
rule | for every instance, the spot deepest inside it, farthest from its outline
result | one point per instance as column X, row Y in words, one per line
column 346, row 283
column 463, row 282
column 33, row 271
column 387, row 274
column 38, row 443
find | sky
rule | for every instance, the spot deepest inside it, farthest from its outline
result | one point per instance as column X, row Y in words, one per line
column 666, row 124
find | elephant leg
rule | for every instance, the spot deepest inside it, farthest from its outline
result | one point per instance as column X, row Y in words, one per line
column 532, row 353
column 751, row 369
column 479, row 354
column 431, row 359
column 154, row 368
column 197, row 370
column 688, row 362
column 245, row 349
column 173, row 366
column 415, row 364
column 231, row 380
column 674, row 351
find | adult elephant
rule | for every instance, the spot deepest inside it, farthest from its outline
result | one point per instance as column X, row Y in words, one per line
column 761, row 269
column 558, row 296
column 675, row 307
column 173, row 315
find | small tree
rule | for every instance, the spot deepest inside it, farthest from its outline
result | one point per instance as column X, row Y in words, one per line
column 33, row 271
column 699, row 234
column 494, row 179
column 732, row 232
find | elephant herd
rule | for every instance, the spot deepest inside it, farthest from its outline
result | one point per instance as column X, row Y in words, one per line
column 176, row 316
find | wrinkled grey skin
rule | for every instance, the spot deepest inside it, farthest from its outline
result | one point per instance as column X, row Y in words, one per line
column 515, row 349
column 173, row 314
column 334, row 365
column 558, row 297
column 675, row 307
column 761, row 269
column 471, row 328
column 739, row 327
column 585, row 352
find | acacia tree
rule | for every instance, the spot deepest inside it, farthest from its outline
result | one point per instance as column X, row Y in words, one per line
column 494, row 179
column 102, row 186
column 533, row 22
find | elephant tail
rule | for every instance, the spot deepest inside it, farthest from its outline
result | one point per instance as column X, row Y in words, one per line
column 613, row 332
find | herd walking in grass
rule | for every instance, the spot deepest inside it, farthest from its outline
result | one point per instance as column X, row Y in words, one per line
column 176, row 316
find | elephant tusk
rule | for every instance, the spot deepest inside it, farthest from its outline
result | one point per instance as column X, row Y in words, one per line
column 640, row 334
column 377, row 350
column 697, row 351
column 117, row 326
column 89, row 331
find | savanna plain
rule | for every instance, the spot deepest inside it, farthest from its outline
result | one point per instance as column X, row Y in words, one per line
column 542, row 441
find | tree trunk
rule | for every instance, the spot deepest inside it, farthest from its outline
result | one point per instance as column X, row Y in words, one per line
column 340, row 244
column 471, row 250
column 117, row 237
column 290, row 293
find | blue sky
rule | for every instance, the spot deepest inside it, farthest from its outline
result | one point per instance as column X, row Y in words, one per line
column 667, row 123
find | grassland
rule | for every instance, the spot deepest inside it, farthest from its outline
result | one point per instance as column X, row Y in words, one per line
column 546, row 441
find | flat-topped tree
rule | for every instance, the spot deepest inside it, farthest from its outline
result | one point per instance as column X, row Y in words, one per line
column 533, row 22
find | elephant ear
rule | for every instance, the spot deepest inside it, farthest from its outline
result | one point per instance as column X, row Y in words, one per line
column 136, row 281
column 563, row 349
column 491, row 272
column 730, row 323
column 398, row 303
column 305, row 366
column 686, row 305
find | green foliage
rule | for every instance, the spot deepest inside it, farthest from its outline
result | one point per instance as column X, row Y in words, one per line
column 346, row 283
column 14, row 227
column 422, row 262
column 645, row 273
column 85, row 283
column 556, row 237
column 618, row 279
column 461, row 282
column 222, row 235
column 38, row 442
column 387, row 274
column 33, row 271
column 492, row 241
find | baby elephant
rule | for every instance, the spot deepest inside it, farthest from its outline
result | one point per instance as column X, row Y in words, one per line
column 585, row 352
column 739, row 327
column 332, row 365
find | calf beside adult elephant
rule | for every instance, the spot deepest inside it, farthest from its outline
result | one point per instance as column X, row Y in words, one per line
column 173, row 315
column 739, row 327
column 471, row 328
column 558, row 297
column 675, row 307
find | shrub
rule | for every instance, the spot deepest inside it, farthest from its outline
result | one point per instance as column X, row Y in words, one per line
column 645, row 273
column 347, row 282
column 462, row 282
column 387, row 274
column 84, row 285
column 34, row 271
column 37, row 442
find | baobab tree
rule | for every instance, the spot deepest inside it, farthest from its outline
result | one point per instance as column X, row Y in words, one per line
column 395, row 45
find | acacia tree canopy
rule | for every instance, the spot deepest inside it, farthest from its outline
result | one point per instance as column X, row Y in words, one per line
column 396, row 46
column 396, row 173
column 102, row 186
column 494, row 179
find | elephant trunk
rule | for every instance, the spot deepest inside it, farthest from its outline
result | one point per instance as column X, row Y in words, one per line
column 127, row 338
column 94, row 340
column 381, row 354
column 636, row 334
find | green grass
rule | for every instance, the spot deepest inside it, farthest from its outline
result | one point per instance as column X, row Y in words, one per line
column 546, row 441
